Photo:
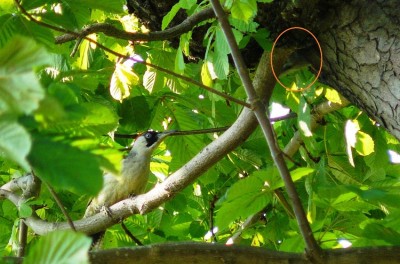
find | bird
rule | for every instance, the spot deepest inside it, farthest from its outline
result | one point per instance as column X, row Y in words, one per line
column 132, row 179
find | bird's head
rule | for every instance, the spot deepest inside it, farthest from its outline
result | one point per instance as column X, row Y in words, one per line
column 149, row 141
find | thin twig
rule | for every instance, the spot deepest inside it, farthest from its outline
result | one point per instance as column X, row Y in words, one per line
column 258, row 108
column 59, row 203
column 127, row 57
column 129, row 234
column 206, row 130
column 22, row 238
column 212, row 209
column 111, row 31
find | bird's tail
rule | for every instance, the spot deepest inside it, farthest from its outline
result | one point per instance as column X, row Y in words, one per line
column 97, row 240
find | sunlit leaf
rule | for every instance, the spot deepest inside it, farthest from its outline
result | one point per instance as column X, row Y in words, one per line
column 333, row 96
column 304, row 117
column 122, row 81
column 244, row 9
column 364, row 143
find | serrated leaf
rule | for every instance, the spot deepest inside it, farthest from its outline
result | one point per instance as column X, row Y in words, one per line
column 115, row 6
column 122, row 81
column 62, row 247
column 20, row 90
column 244, row 9
column 170, row 15
column 244, row 198
column 299, row 173
column 66, row 167
column 206, row 78
column 342, row 171
column 85, row 118
column 15, row 142
column 24, row 210
column 221, row 65
column 14, row 25
column 378, row 231
column 179, row 61
column 275, row 181
column 221, row 44
column 154, row 80
column 187, row 4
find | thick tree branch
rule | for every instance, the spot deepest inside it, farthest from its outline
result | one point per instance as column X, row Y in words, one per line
column 259, row 110
column 191, row 252
column 111, row 31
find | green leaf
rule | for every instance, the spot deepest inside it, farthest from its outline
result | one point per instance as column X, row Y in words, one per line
column 274, row 180
column 24, row 210
column 185, row 4
column 12, row 25
column 20, row 90
column 6, row 6
column 62, row 247
column 244, row 198
column 170, row 15
column 85, row 118
column 114, row 6
column 154, row 80
column 206, row 78
column 378, row 231
column 122, row 80
column 333, row 96
column 364, row 144
column 66, row 167
column 244, row 9
column 15, row 142
column 299, row 173
column 179, row 61
column 342, row 171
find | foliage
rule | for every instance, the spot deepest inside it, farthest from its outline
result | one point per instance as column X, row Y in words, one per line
column 56, row 113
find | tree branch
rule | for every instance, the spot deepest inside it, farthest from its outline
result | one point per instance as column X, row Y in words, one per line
column 192, row 252
column 111, row 31
column 61, row 206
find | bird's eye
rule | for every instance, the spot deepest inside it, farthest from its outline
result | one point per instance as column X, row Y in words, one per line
column 147, row 135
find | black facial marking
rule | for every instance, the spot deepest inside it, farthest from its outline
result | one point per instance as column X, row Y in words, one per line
column 151, row 137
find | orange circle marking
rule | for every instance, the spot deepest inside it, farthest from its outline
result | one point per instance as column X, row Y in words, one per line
column 272, row 63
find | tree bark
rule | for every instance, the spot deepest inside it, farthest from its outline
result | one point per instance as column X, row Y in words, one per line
column 362, row 57
column 192, row 252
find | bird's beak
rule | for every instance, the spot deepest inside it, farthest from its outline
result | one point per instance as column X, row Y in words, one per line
column 165, row 134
